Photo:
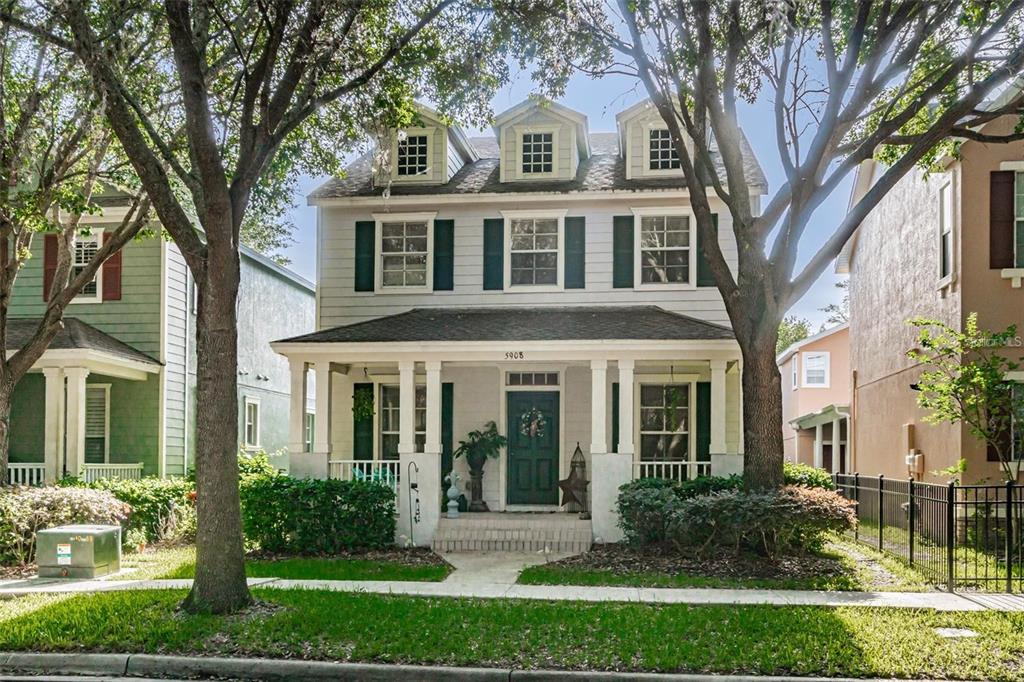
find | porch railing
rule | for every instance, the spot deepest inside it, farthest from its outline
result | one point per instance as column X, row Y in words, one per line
column 22, row 473
column 384, row 471
column 676, row 471
column 94, row 472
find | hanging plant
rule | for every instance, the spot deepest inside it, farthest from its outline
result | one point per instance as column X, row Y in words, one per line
column 531, row 423
column 362, row 404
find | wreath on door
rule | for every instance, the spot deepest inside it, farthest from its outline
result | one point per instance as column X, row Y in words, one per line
column 531, row 423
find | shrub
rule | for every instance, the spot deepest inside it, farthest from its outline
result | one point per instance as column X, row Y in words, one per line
column 802, row 474
column 308, row 516
column 24, row 511
column 161, row 509
column 790, row 519
column 645, row 505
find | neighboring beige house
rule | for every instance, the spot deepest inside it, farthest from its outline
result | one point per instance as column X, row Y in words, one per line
column 816, row 399
column 940, row 245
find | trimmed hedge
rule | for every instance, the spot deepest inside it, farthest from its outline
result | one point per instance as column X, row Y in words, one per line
column 805, row 475
column 308, row 516
column 161, row 508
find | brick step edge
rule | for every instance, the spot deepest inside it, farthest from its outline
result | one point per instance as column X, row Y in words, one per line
column 509, row 546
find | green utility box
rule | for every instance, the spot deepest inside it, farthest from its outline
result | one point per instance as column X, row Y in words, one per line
column 81, row 551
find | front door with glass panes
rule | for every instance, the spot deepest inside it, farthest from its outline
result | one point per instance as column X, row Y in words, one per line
column 533, row 447
column 390, row 420
column 664, row 422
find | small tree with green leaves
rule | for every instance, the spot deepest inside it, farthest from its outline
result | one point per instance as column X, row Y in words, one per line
column 966, row 383
column 791, row 330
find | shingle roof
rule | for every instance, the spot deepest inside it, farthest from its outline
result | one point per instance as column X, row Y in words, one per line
column 604, row 170
column 581, row 323
column 75, row 335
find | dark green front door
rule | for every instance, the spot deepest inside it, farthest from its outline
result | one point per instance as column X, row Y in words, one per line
column 533, row 447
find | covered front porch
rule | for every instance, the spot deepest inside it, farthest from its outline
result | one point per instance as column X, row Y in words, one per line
column 823, row 438
column 635, row 407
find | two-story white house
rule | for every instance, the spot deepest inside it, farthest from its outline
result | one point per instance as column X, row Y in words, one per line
column 548, row 279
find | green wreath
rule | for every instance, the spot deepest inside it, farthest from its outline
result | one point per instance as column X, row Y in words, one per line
column 531, row 423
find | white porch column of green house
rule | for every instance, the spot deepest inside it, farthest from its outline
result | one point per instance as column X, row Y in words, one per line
column 75, row 445
column 611, row 469
column 421, row 468
column 722, row 462
column 53, row 423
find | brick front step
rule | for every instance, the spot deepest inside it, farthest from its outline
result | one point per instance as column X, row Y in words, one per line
column 513, row 532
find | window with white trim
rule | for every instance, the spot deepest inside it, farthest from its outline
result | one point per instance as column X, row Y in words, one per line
column 308, row 426
column 252, row 422
column 946, row 231
column 664, row 422
column 390, row 420
column 97, row 423
column 404, row 252
column 538, row 152
column 86, row 247
column 665, row 244
column 816, row 369
column 531, row 379
column 1018, row 212
column 534, row 251
column 413, row 155
column 662, row 154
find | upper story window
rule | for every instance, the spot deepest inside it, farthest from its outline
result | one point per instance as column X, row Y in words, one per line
column 85, row 250
column 403, row 254
column 662, row 154
column 946, row 231
column 413, row 155
column 816, row 369
column 535, row 244
column 665, row 249
column 538, row 153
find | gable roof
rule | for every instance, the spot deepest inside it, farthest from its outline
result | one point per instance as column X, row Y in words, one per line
column 556, row 323
column 577, row 118
column 823, row 334
column 77, row 335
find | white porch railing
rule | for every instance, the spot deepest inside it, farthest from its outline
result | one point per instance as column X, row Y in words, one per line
column 385, row 471
column 94, row 472
column 676, row 471
column 24, row 473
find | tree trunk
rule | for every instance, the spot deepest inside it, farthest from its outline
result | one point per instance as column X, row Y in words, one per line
column 220, row 585
column 762, row 415
column 6, row 393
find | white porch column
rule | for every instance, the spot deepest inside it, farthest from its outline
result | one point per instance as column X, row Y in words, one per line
column 717, row 407
column 837, row 448
column 406, row 407
column 75, row 419
column 626, row 445
column 817, row 446
column 53, row 423
column 322, row 424
column 297, row 406
column 599, row 407
column 433, row 438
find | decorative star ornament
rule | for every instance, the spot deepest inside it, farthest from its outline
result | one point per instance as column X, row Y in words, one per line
column 574, row 488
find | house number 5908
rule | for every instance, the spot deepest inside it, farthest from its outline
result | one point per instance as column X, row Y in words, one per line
column 514, row 355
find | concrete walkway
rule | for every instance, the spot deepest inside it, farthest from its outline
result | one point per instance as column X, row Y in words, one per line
column 493, row 576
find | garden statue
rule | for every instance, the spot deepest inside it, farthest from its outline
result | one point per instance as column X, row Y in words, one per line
column 453, row 495
column 477, row 448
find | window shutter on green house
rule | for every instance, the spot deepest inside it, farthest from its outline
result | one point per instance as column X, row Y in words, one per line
column 444, row 255
column 575, row 253
column 704, row 276
column 365, row 235
column 494, row 254
column 703, row 421
column 622, row 252
column 362, row 429
column 447, row 431
column 615, row 417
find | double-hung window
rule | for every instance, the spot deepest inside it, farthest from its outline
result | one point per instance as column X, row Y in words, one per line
column 534, row 247
column 252, row 423
column 946, row 231
column 538, row 153
column 390, row 420
column 308, row 430
column 97, row 423
column 85, row 250
column 413, row 155
column 665, row 422
column 816, row 369
column 1018, row 212
column 661, row 151
column 665, row 249
column 404, row 253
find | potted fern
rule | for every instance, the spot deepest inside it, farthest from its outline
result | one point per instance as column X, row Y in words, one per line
column 479, row 446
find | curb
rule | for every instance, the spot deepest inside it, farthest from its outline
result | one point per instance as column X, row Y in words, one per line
column 146, row 665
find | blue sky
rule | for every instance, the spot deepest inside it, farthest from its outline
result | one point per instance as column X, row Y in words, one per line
column 600, row 100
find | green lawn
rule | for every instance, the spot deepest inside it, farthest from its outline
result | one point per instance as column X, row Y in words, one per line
column 854, row 577
column 530, row 634
column 179, row 562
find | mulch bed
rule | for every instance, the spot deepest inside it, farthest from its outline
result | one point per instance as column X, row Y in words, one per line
column 625, row 560
column 17, row 572
column 413, row 556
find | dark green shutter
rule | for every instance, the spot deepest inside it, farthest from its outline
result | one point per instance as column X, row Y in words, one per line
column 444, row 255
column 362, row 429
column 615, row 417
column 703, row 421
column 575, row 253
column 365, row 235
column 494, row 253
column 622, row 252
column 447, row 431
column 704, row 276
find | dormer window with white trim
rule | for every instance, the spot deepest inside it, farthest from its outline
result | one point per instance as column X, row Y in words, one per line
column 413, row 155
column 816, row 369
column 661, row 151
column 538, row 153
column 85, row 251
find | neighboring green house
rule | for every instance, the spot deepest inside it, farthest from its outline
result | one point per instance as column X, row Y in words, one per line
column 114, row 395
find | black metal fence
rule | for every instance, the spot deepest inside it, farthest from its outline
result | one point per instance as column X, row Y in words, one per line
column 959, row 536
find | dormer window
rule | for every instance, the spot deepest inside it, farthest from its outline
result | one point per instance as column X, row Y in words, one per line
column 538, row 153
column 662, row 154
column 413, row 153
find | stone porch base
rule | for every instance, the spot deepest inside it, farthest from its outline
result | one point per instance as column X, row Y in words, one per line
column 513, row 532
